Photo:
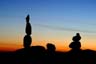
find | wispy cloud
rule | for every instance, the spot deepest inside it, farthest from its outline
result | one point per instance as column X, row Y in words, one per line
column 63, row 28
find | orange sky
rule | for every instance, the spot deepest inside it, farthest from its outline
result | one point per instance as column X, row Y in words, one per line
column 10, row 41
column 60, row 45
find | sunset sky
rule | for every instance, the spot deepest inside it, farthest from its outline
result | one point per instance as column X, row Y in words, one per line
column 53, row 21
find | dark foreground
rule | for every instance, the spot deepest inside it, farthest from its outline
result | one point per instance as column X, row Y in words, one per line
column 38, row 55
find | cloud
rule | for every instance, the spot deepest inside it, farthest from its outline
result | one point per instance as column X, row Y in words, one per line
column 63, row 28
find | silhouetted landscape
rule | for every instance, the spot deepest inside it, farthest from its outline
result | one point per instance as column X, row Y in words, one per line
column 39, row 55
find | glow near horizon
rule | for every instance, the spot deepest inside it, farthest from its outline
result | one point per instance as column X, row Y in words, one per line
column 73, row 14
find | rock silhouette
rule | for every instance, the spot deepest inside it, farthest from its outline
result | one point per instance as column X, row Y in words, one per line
column 51, row 47
column 76, row 42
column 27, row 39
column 28, row 26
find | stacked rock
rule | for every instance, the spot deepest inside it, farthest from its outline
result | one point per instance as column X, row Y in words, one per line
column 27, row 37
column 76, row 42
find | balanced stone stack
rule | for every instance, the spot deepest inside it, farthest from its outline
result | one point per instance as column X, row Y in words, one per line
column 76, row 42
column 27, row 38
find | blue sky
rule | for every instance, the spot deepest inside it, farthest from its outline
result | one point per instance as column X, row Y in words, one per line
column 50, row 11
